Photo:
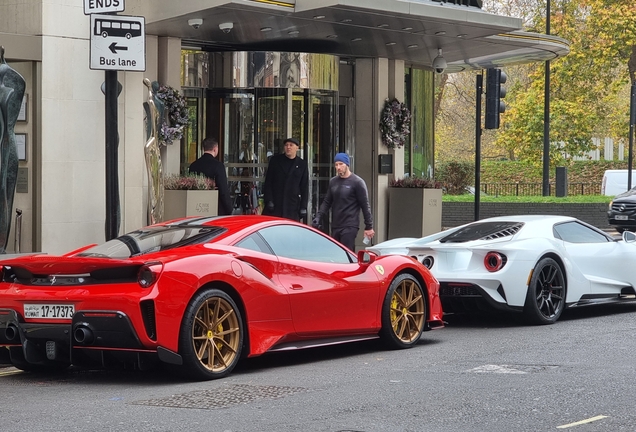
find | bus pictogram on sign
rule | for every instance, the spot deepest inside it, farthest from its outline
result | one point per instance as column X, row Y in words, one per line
column 117, row 28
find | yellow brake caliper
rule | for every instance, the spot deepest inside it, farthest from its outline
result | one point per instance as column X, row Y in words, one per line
column 394, row 307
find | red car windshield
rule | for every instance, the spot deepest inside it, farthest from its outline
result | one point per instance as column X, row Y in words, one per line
column 152, row 239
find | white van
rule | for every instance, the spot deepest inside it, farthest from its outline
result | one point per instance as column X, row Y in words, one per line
column 615, row 182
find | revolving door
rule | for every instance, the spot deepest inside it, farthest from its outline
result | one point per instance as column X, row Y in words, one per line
column 255, row 100
column 252, row 126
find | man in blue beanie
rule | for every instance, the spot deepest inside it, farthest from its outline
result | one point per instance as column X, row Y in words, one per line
column 346, row 197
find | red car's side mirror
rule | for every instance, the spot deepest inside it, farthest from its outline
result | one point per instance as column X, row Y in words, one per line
column 365, row 257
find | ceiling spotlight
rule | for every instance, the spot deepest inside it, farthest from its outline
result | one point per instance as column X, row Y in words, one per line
column 293, row 32
column 390, row 43
column 266, row 29
column 407, row 28
column 412, row 46
column 439, row 64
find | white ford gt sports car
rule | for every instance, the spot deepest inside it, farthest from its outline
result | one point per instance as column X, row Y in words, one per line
column 537, row 265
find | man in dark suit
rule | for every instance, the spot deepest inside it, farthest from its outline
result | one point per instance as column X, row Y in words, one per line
column 211, row 167
column 286, row 187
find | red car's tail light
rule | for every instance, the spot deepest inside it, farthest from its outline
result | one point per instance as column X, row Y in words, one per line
column 149, row 273
column 494, row 261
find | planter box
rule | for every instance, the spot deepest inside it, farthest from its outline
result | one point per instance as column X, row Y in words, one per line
column 182, row 203
column 414, row 212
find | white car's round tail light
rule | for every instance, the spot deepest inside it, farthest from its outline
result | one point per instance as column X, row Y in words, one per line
column 428, row 262
column 494, row 261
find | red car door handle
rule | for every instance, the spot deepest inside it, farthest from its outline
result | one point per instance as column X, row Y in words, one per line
column 296, row 287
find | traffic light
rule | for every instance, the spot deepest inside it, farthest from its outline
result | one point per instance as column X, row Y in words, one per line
column 494, row 93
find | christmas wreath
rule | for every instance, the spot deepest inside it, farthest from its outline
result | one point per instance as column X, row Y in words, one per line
column 177, row 116
column 395, row 123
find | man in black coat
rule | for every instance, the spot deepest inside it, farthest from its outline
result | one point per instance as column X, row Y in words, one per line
column 211, row 167
column 286, row 187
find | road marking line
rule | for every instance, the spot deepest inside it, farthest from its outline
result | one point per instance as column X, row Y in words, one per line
column 10, row 372
column 578, row 423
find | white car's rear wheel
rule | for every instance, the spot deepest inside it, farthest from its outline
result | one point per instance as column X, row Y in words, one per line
column 545, row 299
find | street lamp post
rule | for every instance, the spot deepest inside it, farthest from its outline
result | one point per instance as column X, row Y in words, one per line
column 632, row 123
column 546, row 115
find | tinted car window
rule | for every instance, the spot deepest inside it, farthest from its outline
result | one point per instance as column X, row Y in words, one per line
column 483, row 231
column 153, row 239
column 256, row 243
column 303, row 244
column 574, row 232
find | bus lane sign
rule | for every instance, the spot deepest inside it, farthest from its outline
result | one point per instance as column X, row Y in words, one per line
column 118, row 43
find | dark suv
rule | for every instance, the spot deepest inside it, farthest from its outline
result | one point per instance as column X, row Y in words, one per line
column 622, row 211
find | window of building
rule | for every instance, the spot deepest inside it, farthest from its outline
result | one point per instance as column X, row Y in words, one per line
column 419, row 152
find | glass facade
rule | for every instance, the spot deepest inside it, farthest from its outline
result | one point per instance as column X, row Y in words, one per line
column 419, row 152
column 266, row 98
column 253, row 101
column 195, row 68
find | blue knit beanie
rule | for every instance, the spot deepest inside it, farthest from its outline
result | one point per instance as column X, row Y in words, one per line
column 342, row 157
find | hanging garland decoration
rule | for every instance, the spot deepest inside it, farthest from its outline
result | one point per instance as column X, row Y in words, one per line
column 176, row 115
column 395, row 123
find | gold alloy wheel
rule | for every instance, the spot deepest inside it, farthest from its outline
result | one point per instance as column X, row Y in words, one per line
column 216, row 334
column 407, row 311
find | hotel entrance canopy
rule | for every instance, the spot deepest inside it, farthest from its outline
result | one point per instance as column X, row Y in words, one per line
column 413, row 31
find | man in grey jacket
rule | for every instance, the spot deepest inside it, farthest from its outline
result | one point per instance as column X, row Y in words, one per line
column 346, row 197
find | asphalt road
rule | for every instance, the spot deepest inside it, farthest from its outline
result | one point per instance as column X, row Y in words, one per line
column 478, row 374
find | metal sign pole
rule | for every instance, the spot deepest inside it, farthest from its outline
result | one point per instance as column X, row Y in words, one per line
column 632, row 123
column 478, row 88
column 546, row 115
column 112, row 176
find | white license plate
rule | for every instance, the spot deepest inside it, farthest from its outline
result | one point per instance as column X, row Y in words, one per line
column 621, row 217
column 49, row 311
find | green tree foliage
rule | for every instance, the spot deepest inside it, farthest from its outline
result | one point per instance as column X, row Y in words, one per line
column 613, row 43
column 574, row 111
column 589, row 88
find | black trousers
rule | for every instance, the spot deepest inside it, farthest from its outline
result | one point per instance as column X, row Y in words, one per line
column 346, row 236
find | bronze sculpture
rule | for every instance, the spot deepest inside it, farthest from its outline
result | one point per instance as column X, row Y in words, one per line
column 12, row 87
column 154, row 109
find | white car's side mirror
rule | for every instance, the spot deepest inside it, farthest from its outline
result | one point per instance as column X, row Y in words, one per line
column 629, row 236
